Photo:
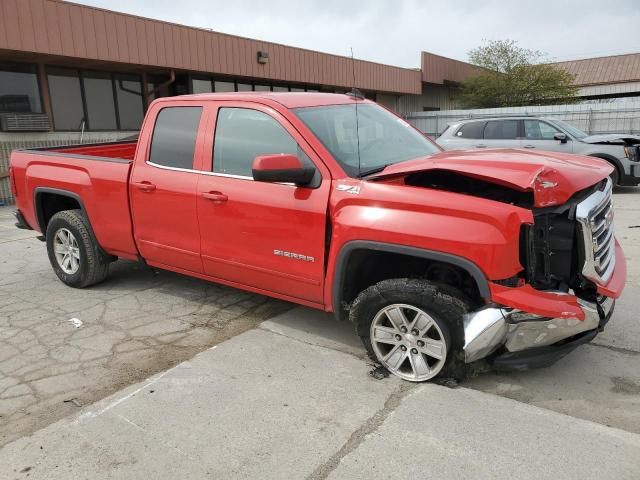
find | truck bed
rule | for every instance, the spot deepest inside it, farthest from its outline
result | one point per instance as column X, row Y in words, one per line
column 95, row 176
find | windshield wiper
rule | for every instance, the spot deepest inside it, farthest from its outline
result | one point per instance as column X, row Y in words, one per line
column 371, row 171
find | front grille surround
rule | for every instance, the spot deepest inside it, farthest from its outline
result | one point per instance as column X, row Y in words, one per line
column 595, row 217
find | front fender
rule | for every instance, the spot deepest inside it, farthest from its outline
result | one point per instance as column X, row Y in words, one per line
column 479, row 232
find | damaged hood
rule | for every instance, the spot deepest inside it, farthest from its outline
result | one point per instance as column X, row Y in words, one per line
column 553, row 177
column 612, row 138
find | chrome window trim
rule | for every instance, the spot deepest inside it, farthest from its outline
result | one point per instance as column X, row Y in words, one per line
column 585, row 211
column 202, row 172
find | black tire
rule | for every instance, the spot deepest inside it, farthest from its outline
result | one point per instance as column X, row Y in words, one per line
column 446, row 306
column 93, row 266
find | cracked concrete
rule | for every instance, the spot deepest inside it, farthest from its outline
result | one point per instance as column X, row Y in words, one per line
column 280, row 401
column 136, row 323
column 289, row 399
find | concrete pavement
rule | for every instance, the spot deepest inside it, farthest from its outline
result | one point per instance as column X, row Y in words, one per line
column 267, row 405
column 61, row 347
column 289, row 399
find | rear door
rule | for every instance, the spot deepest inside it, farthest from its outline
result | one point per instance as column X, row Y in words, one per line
column 501, row 134
column 269, row 236
column 163, row 187
column 539, row 134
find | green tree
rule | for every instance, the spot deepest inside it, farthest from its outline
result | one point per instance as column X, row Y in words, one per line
column 514, row 76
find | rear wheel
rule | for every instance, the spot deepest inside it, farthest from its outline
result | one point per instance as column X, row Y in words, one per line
column 73, row 252
column 412, row 327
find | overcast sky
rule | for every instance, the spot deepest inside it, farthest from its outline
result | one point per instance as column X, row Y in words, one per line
column 395, row 31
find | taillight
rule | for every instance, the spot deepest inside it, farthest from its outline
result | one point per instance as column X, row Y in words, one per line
column 12, row 182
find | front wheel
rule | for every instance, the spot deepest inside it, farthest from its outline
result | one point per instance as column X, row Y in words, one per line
column 412, row 327
column 74, row 254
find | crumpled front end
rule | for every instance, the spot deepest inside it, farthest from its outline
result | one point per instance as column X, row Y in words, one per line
column 574, row 271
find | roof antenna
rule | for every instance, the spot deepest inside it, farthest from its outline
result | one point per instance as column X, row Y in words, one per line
column 357, row 95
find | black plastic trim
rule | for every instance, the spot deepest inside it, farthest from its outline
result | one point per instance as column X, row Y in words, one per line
column 350, row 247
column 21, row 223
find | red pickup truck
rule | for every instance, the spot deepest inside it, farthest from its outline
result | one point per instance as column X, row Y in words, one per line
column 440, row 259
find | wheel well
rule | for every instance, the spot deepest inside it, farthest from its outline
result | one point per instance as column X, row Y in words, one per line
column 48, row 204
column 364, row 267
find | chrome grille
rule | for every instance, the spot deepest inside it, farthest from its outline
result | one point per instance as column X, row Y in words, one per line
column 595, row 217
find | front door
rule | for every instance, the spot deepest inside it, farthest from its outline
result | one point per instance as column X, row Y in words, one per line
column 163, row 190
column 269, row 236
column 539, row 135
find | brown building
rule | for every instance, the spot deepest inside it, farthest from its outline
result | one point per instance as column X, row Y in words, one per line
column 606, row 79
column 71, row 73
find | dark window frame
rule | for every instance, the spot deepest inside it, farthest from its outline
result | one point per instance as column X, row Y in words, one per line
column 38, row 80
column 82, row 73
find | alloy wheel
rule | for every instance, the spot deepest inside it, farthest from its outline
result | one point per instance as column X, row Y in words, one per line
column 408, row 342
column 66, row 250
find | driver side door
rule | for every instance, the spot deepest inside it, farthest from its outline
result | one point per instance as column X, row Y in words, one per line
column 268, row 236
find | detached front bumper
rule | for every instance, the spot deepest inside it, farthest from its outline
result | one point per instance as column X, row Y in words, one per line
column 529, row 340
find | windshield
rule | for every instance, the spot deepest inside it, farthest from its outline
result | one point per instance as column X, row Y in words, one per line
column 573, row 131
column 384, row 139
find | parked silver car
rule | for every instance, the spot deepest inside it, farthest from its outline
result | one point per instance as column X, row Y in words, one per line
column 621, row 150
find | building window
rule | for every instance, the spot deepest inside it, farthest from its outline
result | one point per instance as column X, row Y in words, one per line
column 101, row 109
column 262, row 88
column 244, row 87
column 19, row 91
column 66, row 99
column 104, row 101
column 199, row 85
column 174, row 137
column 277, row 88
column 130, row 104
column 224, row 86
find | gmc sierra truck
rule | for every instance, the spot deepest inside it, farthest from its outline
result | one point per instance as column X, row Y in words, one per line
column 439, row 259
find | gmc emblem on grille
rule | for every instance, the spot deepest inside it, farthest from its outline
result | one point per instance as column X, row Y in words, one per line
column 295, row 256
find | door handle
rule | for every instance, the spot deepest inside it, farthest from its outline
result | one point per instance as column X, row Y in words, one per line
column 529, row 146
column 145, row 186
column 481, row 145
column 217, row 197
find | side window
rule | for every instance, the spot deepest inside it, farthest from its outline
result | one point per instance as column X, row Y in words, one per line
column 502, row 130
column 174, row 137
column 471, row 130
column 537, row 130
column 242, row 135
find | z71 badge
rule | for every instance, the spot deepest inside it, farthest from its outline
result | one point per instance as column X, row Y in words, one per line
column 295, row 256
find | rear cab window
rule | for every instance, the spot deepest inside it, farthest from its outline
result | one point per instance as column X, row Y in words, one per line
column 174, row 137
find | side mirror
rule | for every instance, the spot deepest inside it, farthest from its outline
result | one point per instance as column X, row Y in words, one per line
column 282, row 168
column 561, row 137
